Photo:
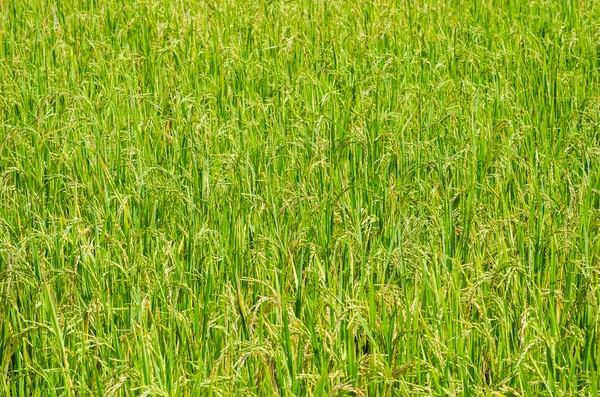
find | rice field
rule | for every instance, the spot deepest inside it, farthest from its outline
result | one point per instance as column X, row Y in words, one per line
column 299, row 198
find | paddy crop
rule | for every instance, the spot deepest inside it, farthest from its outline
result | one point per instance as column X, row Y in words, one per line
column 303, row 197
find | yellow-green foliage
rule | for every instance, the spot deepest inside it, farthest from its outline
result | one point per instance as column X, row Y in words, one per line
column 304, row 197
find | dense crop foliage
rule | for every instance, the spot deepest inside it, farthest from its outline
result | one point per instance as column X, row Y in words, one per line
column 306, row 197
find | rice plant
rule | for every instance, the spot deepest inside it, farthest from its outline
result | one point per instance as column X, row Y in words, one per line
column 299, row 198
